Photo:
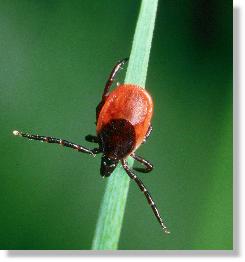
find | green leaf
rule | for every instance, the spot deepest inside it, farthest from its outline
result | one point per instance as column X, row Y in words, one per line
column 112, row 208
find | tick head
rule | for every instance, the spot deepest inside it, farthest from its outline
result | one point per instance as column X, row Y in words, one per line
column 108, row 165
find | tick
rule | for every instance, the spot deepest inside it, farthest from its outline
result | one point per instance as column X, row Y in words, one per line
column 123, row 123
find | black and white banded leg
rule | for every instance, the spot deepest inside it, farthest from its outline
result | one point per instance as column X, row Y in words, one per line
column 147, row 134
column 112, row 76
column 148, row 166
column 108, row 84
column 54, row 140
column 147, row 195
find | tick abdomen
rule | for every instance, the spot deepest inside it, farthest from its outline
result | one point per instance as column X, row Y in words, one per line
column 131, row 103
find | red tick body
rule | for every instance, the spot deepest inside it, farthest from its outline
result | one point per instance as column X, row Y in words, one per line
column 123, row 123
column 131, row 103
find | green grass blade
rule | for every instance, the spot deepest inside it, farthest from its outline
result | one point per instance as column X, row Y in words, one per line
column 112, row 209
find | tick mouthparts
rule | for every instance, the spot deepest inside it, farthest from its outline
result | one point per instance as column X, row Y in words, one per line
column 16, row 133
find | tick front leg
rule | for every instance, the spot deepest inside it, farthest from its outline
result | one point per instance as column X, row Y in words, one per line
column 148, row 166
column 54, row 140
column 112, row 76
column 108, row 84
column 147, row 195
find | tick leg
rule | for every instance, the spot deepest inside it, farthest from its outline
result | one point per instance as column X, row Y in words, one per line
column 147, row 134
column 91, row 138
column 147, row 195
column 148, row 166
column 112, row 75
column 108, row 84
column 53, row 140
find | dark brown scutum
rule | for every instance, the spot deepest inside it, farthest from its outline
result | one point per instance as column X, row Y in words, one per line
column 117, row 138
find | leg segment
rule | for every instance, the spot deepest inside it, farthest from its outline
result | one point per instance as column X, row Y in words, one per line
column 147, row 134
column 108, row 84
column 91, row 138
column 148, row 166
column 111, row 78
column 57, row 141
column 147, row 195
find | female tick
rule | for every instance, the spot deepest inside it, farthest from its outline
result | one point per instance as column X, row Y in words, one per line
column 123, row 123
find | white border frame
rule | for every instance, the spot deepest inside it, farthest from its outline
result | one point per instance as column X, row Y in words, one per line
column 239, row 194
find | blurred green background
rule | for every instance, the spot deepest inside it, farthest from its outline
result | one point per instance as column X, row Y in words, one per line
column 55, row 57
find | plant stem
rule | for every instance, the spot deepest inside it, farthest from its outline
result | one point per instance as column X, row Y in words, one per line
column 112, row 208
